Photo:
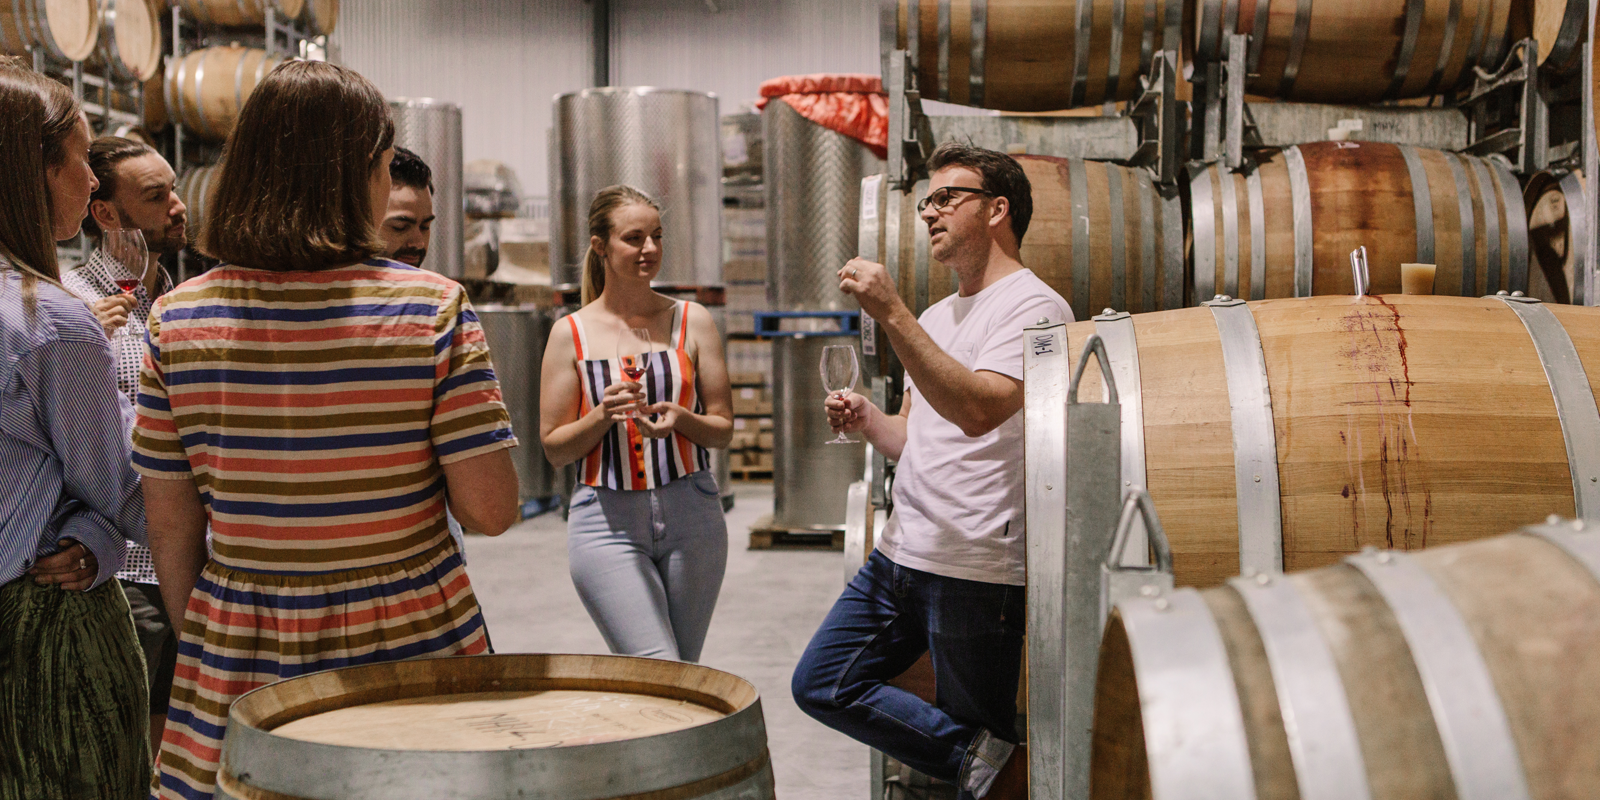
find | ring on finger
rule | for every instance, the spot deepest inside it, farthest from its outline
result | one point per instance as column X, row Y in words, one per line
column 83, row 563
column 853, row 272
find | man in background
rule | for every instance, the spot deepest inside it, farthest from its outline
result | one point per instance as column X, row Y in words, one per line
column 408, row 223
column 137, row 190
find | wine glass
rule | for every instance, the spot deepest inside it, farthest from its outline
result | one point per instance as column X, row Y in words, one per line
column 127, row 247
column 633, row 348
column 840, row 370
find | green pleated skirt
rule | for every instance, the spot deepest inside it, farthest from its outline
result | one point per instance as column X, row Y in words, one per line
column 74, row 708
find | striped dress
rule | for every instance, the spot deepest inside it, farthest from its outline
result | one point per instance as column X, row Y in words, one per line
column 626, row 458
column 313, row 411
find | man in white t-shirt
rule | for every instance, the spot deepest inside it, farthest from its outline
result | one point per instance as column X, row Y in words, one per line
column 947, row 576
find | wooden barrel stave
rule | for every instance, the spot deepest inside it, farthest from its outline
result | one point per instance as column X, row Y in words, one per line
column 66, row 29
column 1369, row 400
column 1521, row 611
column 1128, row 256
column 195, row 188
column 1356, row 194
column 130, row 39
column 321, row 15
column 1357, row 51
column 206, row 89
column 1556, row 250
column 723, row 758
column 1559, row 26
column 1031, row 58
column 240, row 13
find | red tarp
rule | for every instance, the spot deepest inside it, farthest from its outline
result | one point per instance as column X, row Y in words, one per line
column 852, row 104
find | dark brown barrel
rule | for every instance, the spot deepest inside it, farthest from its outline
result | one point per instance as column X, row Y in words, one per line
column 1285, row 227
column 1557, row 247
column 1103, row 235
column 1355, row 51
column 66, row 29
column 1033, row 55
column 1461, row 672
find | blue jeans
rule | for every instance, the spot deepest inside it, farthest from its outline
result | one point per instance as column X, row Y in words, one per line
column 648, row 564
column 886, row 619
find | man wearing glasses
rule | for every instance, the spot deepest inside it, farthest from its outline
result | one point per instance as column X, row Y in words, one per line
column 947, row 575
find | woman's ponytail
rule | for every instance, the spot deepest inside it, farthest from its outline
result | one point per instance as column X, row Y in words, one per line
column 605, row 202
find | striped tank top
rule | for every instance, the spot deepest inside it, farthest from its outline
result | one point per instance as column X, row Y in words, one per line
column 625, row 458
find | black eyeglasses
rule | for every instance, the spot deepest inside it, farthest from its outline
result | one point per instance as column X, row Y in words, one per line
column 940, row 199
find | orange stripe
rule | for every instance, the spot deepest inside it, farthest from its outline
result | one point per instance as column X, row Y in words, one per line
column 364, row 333
column 577, row 336
column 280, row 532
column 298, row 466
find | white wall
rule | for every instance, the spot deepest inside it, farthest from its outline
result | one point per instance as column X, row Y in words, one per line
column 503, row 60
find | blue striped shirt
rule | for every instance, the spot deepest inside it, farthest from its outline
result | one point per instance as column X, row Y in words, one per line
column 64, row 440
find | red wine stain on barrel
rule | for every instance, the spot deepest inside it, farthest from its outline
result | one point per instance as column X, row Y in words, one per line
column 1378, row 349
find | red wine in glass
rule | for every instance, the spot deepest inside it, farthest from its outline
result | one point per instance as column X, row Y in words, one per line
column 127, row 285
column 633, row 367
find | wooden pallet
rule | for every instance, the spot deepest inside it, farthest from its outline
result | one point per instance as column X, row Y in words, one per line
column 763, row 536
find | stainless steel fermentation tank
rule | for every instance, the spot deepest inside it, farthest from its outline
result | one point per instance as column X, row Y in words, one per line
column 432, row 130
column 516, row 336
column 813, row 194
column 810, row 477
column 664, row 142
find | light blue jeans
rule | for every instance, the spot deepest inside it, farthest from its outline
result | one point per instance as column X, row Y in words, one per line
column 648, row 564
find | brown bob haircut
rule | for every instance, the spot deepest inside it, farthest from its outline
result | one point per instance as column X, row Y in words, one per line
column 294, row 193
column 40, row 115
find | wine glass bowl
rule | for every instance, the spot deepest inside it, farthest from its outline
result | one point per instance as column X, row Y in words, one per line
column 840, row 371
column 633, row 353
column 127, row 247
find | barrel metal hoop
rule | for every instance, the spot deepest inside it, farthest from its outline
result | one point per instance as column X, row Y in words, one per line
column 1323, row 744
column 921, row 261
column 1172, row 266
column 891, row 231
column 914, row 34
column 1516, row 227
column 1569, row 36
column 1203, row 210
column 1255, row 439
column 1209, row 45
column 1491, row 223
column 1452, row 20
column 1147, row 240
column 1078, row 182
column 1119, row 240
column 1297, row 47
column 1258, row 37
column 1469, row 234
column 1080, row 50
column 1230, row 233
column 1300, row 199
column 1119, row 15
column 1577, row 237
column 1193, row 723
column 1258, row 234
column 41, row 23
column 1408, row 47
column 1122, row 350
column 1472, row 724
column 1475, row 55
column 1582, row 547
column 199, row 83
column 1574, row 398
column 980, row 32
column 944, row 50
column 1422, row 201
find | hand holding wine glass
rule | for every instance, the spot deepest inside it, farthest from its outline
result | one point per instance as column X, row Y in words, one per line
column 127, row 247
column 633, row 352
column 840, row 371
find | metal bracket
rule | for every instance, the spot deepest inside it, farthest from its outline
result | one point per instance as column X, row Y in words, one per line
column 1125, row 575
column 1514, row 88
column 1233, row 112
column 1044, row 390
column 910, row 133
column 1159, row 120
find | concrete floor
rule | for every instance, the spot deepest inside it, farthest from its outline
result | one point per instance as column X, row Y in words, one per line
column 772, row 601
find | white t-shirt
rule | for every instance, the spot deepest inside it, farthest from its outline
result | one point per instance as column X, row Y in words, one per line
column 957, row 498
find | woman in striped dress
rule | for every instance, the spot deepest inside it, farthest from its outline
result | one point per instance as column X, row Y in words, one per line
column 645, row 534
column 315, row 405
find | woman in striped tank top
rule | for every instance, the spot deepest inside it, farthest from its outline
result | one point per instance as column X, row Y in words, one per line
column 646, row 537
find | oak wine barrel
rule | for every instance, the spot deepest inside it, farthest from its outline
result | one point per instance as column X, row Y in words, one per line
column 1028, row 55
column 239, row 13
column 322, row 15
column 206, row 89
column 1355, row 51
column 1557, row 248
column 1314, row 203
column 1102, row 235
column 1294, row 431
column 1559, row 27
column 66, row 29
column 196, row 187
column 576, row 727
column 130, row 38
column 1463, row 672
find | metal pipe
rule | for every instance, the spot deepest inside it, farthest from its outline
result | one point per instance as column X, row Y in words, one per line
column 602, row 42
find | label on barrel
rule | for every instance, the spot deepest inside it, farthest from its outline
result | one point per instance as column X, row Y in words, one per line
column 869, row 336
column 1042, row 344
column 869, row 196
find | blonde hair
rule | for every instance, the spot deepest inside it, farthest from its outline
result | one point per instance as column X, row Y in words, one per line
column 606, row 202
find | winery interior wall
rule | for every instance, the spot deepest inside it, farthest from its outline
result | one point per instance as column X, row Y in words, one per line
column 503, row 60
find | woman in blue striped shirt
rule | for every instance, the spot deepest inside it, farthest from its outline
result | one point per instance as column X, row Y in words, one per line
column 72, row 692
